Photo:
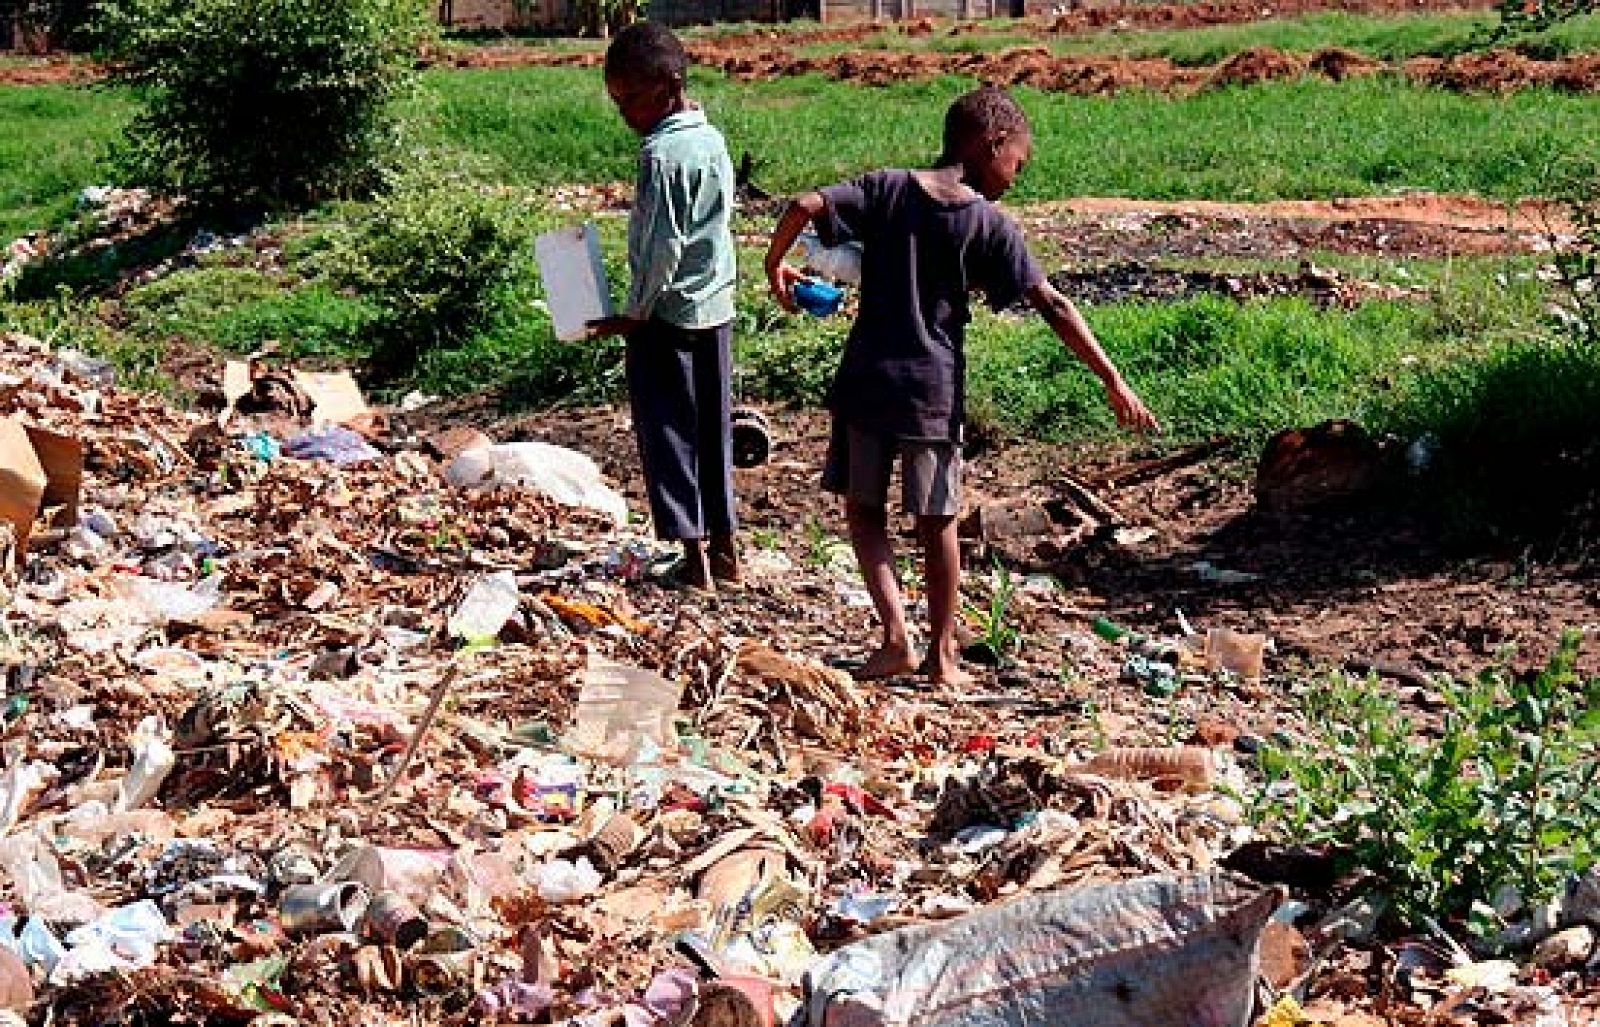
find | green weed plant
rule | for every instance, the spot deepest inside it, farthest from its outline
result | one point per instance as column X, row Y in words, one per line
column 1501, row 793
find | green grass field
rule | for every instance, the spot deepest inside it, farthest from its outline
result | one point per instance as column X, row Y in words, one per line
column 1294, row 139
column 1206, row 365
column 52, row 145
column 544, row 126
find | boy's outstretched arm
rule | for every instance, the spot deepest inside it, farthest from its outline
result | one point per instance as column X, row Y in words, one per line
column 1074, row 331
column 805, row 209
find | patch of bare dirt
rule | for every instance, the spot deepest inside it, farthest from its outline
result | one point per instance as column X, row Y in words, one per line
column 1136, row 280
column 1235, row 12
column 1495, row 71
column 1334, row 588
column 1337, row 63
column 47, row 71
column 1256, row 65
column 1101, row 229
column 1100, row 17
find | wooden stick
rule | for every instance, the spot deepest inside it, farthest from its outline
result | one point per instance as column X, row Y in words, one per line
column 1144, row 470
column 422, row 729
column 1089, row 503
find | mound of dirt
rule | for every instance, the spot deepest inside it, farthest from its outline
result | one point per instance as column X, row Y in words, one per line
column 1338, row 64
column 1234, row 12
column 1256, row 65
column 1494, row 71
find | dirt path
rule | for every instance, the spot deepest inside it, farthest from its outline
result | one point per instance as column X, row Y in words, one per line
column 1494, row 71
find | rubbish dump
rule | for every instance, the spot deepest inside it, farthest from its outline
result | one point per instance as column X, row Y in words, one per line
column 414, row 737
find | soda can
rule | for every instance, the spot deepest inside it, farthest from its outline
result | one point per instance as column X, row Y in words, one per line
column 392, row 920
column 320, row 908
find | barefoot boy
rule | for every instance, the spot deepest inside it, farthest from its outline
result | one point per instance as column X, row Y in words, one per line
column 680, row 308
column 929, row 238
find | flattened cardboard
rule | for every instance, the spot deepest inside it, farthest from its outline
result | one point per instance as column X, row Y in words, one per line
column 335, row 396
column 22, row 481
column 61, row 456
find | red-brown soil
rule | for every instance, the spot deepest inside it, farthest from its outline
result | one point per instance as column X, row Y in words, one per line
column 1499, row 70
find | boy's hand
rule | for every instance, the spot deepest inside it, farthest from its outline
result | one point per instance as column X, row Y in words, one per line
column 782, row 278
column 608, row 326
column 1130, row 409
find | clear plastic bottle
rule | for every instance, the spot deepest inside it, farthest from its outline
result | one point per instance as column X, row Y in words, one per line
column 492, row 600
column 836, row 263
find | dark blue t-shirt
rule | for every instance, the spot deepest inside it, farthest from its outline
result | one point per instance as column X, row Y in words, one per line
column 904, row 366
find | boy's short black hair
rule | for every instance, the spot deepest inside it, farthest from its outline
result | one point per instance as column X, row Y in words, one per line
column 646, row 50
column 983, row 113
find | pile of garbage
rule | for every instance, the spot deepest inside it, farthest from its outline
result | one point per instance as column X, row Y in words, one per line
column 308, row 717
column 311, row 717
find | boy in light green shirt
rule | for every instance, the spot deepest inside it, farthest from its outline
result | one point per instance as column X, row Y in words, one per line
column 679, row 313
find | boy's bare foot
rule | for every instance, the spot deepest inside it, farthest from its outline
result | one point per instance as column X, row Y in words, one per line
column 945, row 671
column 723, row 557
column 694, row 571
column 890, row 661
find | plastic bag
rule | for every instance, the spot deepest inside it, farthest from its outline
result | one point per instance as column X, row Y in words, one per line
column 339, row 446
column 1157, row 950
column 36, row 877
column 562, row 882
column 563, row 475
column 161, row 601
column 485, row 609
column 623, row 713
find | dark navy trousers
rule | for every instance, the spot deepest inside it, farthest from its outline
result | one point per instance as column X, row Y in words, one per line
column 678, row 388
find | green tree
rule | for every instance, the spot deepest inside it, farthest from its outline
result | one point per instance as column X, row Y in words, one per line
column 261, row 102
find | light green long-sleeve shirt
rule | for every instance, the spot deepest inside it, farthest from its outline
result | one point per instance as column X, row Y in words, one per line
column 680, row 245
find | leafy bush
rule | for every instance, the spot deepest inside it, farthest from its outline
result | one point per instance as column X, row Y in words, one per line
column 431, row 255
column 1501, row 794
column 1578, row 264
column 1538, row 15
column 260, row 101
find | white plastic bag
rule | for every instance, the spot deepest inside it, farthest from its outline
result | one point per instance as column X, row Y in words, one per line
column 563, row 475
column 1157, row 950
column 35, row 875
column 562, row 882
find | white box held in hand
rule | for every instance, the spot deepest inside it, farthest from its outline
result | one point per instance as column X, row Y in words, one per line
column 574, row 279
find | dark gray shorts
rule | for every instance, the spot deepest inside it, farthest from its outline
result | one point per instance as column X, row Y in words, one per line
column 860, row 464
